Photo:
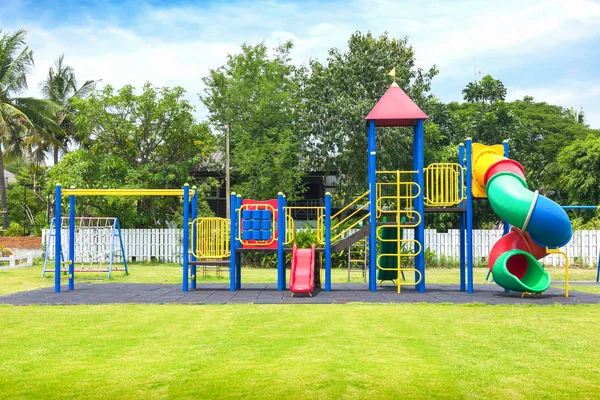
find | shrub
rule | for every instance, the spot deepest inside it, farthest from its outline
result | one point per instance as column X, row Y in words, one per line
column 14, row 229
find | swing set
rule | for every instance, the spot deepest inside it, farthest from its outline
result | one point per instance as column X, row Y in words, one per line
column 95, row 245
column 66, row 263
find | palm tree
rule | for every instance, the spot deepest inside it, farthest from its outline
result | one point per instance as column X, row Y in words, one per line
column 61, row 87
column 20, row 117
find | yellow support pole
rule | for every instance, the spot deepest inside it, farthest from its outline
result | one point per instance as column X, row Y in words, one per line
column 558, row 251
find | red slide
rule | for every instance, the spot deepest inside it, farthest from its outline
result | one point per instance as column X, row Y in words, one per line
column 303, row 270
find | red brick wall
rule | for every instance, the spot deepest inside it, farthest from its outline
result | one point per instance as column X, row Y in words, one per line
column 21, row 242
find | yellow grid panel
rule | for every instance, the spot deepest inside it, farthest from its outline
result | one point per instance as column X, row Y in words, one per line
column 444, row 185
column 212, row 238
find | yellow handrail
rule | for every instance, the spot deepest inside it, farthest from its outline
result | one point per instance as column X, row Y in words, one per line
column 290, row 229
column 365, row 194
column 337, row 225
column 444, row 184
column 558, row 251
column 290, row 223
column 212, row 238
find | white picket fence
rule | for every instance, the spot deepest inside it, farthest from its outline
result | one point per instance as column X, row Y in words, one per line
column 165, row 245
column 21, row 261
column 582, row 249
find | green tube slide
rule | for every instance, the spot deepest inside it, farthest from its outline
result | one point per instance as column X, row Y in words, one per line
column 509, row 273
column 510, row 197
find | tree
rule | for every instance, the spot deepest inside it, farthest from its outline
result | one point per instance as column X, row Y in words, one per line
column 578, row 116
column 340, row 93
column 20, row 117
column 536, row 133
column 487, row 90
column 148, row 140
column 259, row 96
column 579, row 164
column 61, row 87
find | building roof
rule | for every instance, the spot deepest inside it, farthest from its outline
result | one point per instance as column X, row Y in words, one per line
column 395, row 108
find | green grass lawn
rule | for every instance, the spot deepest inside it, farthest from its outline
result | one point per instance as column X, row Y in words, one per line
column 295, row 351
column 300, row 352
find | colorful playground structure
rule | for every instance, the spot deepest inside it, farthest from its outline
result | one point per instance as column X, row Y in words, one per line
column 540, row 226
column 395, row 201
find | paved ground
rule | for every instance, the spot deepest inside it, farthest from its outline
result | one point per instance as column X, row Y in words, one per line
column 110, row 293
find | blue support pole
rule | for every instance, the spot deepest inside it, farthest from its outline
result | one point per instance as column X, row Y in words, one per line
column 469, row 215
column 418, row 162
column 113, row 233
column 57, row 238
column 327, row 229
column 238, row 244
column 598, row 272
column 232, row 243
column 186, row 237
column 372, row 165
column 71, row 242
column 281, row 283
column 194, row 232
column 461, row 220
column 123, row 255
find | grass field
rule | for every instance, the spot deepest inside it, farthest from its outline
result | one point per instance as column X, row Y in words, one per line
column 344, row 351
column 299, row 352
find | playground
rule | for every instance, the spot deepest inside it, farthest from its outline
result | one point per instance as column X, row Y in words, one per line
column 396, row 202
column 166, row 331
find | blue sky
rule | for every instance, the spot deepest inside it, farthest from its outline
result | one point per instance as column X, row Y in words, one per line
column 548, row 49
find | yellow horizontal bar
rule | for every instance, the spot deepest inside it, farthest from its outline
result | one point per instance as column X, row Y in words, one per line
column 394, row 172
column 124, row 192
column 303, row 208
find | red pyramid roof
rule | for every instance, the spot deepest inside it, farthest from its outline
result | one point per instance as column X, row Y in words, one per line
column 395, row 108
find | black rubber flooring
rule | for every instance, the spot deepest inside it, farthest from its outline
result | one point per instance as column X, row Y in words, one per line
column 138, row 293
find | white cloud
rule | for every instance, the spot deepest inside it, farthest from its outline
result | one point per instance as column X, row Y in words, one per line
column 451, row 34
column 576, row 94
column 177, row 45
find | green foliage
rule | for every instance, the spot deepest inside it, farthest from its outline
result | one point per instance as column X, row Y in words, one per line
column 21, row 118
column 487, row 90
column 579, row 166
column 61, row 87
column 339, row 94
column 14, row 229
column 536, row 133
column 430, row 256
column 257, row 96
column 32, row 212
column 305, row 237
column 147, row 140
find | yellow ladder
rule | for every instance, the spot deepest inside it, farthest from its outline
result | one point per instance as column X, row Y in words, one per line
column 396, row 193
